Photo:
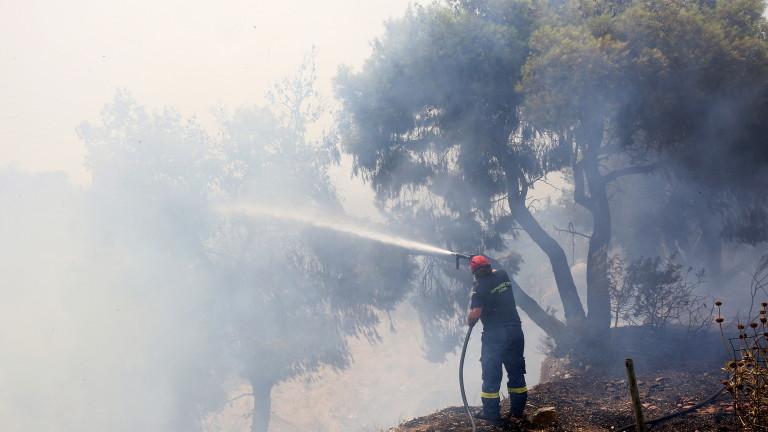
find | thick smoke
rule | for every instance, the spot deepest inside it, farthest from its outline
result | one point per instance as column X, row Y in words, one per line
column 135, row 304
column 100, row 329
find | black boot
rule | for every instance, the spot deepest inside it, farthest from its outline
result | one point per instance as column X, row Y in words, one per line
column 496, row 421
column 517, row 404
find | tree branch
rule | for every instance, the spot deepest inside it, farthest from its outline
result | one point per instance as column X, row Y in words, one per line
column 573, row 232
column 551, row 325
column 639, row 169
column 543, row 180
column 244, row 395
column 579, row 180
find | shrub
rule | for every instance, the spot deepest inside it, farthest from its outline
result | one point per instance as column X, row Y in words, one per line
column 657, row 292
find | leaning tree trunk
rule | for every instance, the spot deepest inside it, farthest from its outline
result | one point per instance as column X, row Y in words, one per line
column 551, row 325
column 262, row 404
column 572, row 308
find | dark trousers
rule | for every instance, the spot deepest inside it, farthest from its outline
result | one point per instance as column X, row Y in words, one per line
column 503, row 344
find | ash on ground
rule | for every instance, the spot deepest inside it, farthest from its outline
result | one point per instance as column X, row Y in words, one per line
column 586, row 402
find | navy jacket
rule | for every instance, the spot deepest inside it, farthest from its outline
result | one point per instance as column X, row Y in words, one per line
column 493, row 293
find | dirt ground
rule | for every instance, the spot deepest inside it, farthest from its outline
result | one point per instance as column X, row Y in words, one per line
column 590, row 403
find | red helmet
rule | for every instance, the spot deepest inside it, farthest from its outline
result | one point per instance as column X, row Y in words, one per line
column 478, row 261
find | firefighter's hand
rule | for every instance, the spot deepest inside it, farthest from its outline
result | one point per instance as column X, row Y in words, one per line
column 473, row 316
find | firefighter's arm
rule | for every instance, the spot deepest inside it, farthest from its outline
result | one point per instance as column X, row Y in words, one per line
column 473, row 316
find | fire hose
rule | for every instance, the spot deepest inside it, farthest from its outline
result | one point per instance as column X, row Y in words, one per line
column 658, row 420
column 464, row 354
column 461, row 377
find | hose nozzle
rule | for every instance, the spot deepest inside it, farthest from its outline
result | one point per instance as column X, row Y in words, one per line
column 460, row 256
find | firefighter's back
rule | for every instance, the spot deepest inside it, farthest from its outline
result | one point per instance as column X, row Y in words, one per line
column 498, row 299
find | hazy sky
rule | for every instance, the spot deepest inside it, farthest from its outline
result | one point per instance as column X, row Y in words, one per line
column 61, row 62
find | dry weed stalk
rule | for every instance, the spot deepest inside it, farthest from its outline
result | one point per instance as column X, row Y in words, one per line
column 748, row 370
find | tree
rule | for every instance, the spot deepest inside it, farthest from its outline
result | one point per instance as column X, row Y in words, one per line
column 265, row 300
column 676, row 86
column 290, row 296
column 714, row 120
column 623, row 80
column 432, row 121
column 465, row 105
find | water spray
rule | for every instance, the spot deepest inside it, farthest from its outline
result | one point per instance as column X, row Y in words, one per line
column 308, row 218
column 320, row 221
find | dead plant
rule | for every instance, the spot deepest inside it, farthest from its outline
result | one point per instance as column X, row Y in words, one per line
column 748, row 370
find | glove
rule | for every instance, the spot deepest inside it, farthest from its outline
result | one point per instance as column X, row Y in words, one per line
column 473, row 316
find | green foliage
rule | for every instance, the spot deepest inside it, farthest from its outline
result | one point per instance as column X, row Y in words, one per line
column 680, row 84
column 429, row 115
column 465, row 104
column 655, row 71
column 574, row 77
column 428, row 120
column 302, row 288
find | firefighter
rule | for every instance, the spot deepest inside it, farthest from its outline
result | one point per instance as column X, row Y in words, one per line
column 493, row 303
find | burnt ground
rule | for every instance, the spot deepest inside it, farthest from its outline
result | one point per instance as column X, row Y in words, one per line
column 587, row 402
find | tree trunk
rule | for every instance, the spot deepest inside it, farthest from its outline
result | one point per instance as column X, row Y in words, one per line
column 598, row 283
column 590, row 191
column 262, row 404
column 572, row 308
column 711, row 248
